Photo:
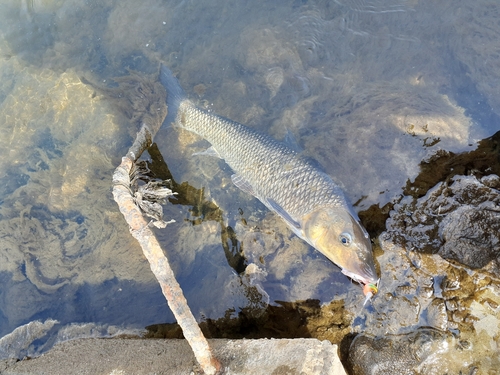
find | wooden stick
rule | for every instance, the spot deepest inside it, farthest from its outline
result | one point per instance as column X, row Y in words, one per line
column 140, row 229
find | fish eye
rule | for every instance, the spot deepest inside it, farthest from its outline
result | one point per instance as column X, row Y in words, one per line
column 345, row 238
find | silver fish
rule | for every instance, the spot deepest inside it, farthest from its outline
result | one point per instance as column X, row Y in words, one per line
column 312, row 205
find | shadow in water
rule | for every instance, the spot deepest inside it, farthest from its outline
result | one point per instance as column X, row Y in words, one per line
column 200, row 208
column 286, row 320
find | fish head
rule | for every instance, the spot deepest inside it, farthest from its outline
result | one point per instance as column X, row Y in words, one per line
column 337, row 233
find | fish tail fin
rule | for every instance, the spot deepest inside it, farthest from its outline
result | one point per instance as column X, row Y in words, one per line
column 175, row 94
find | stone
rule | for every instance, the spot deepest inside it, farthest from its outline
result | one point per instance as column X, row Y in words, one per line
column 139, row 356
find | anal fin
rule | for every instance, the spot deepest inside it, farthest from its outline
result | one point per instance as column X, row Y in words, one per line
column 243, row 184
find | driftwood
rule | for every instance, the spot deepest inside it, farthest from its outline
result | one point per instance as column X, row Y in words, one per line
column 145, row 105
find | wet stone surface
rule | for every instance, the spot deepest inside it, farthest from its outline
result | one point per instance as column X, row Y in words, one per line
column 415, row 353
column 439, row 290
column 457, row 219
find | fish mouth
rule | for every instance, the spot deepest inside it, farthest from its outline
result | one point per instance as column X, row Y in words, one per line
column 358, row 278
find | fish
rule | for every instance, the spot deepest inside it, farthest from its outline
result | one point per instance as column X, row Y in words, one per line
column 300, row 192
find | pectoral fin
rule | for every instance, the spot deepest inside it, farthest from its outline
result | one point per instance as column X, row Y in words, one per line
column 276, row 207
column 243, row 184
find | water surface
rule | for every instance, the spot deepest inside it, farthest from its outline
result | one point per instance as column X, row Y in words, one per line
column 368, row 88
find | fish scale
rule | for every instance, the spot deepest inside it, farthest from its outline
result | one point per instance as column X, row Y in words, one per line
column 272, row 169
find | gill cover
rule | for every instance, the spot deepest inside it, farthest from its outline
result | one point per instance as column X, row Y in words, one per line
column 337, row 233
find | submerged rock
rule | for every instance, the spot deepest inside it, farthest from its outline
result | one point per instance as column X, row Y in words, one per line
column 457, row 219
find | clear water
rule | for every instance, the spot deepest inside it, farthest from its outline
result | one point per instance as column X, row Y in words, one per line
column 368, row 88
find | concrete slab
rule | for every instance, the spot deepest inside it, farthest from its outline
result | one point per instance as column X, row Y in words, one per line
column 139, row 356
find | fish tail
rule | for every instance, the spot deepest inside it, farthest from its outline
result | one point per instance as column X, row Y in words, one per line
column 175, row 94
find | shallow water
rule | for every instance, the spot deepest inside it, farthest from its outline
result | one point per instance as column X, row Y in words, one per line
column 368, row 88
